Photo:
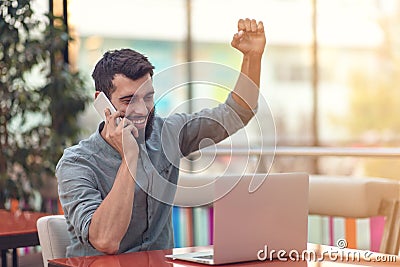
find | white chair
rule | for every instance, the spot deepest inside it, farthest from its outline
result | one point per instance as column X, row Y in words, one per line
column 53, row 237
column 359, row 197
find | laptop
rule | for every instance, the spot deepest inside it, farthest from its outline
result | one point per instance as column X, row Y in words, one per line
column 252, row 224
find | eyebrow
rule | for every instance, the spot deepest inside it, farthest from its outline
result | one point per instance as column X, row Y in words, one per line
column 133, row 96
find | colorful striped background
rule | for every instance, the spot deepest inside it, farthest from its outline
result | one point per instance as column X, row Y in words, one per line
column 194, row 227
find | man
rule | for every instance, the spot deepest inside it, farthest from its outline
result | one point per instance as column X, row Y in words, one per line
column 111, row 187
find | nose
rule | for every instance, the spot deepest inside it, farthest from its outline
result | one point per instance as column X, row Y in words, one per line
column 139, row 108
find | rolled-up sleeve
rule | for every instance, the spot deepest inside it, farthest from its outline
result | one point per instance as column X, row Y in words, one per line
column 78, row 195
column 244, row 113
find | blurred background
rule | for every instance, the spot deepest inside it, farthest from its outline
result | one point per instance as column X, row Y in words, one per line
column 330, row 77
column 330, row 74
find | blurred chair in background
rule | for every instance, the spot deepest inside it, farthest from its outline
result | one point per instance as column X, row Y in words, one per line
column 364, row 197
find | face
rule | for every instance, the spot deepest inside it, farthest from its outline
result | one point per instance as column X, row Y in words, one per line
column 135, row 97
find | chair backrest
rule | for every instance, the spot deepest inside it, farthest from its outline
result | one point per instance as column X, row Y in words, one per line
column 53, row 237
column 359, row 197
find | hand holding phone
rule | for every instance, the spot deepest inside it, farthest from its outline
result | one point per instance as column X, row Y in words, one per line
column 101, row 103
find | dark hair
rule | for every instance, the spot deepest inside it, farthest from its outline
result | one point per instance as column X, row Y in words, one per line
column 125, row 61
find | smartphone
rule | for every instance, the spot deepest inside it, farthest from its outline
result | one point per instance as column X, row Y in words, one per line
column 101, row 103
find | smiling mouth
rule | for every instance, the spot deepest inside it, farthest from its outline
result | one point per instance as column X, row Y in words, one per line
column 139, row 123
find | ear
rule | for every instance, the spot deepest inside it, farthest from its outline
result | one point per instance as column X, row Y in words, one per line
column 96, row 94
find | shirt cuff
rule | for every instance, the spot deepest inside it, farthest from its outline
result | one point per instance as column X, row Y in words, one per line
column 244, row 114
column 85, row 234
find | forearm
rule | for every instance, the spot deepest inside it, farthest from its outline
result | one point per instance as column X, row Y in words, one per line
column 111, row 219
column 246, row 90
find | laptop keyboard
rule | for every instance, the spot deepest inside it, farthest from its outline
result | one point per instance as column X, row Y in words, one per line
column 208, row 257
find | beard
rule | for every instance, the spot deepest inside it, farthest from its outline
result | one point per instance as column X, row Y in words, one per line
column 149, row 125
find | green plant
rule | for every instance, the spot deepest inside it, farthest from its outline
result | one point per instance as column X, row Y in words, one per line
column 40, row 97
